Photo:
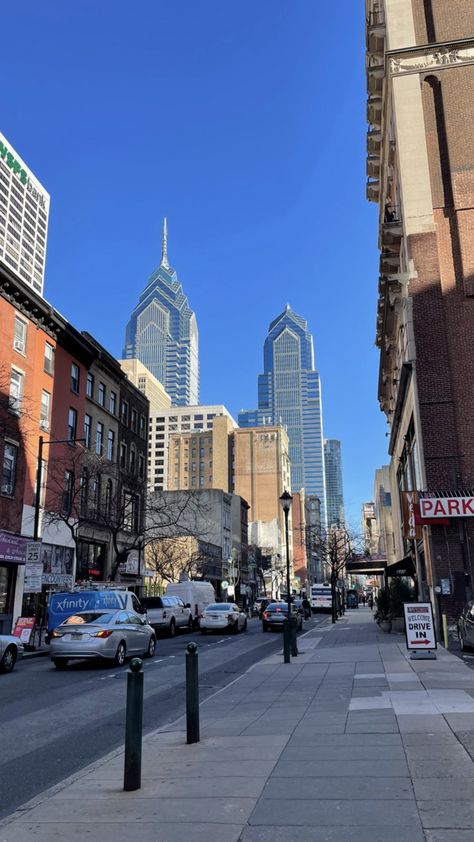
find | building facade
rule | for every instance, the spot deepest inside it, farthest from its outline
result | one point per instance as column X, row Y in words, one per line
column 289, row 394
column 420, row 167
column 162, row 333
column 334, row 492
column 24, row 212
column 179, row 419
column 370, row 533
column 383, row 514
column 144, row 380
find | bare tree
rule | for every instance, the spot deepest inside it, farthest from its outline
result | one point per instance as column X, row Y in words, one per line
column 334, row 547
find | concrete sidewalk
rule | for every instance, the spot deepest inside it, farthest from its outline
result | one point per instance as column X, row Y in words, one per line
column 351, row 740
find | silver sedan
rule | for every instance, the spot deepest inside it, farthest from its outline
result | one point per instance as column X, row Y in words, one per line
column 113, row 635
column 11, row 649
column 221, row 616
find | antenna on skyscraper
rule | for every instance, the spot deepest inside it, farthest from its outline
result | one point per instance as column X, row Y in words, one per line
column 164, row 246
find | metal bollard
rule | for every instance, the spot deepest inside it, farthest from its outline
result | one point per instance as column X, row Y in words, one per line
column 286, row 641
column 294, row 643
column 192, row 694
column 132, row 778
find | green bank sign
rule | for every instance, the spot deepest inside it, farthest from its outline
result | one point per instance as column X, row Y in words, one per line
column 11, row 162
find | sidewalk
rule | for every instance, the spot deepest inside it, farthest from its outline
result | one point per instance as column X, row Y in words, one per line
column 350, row 741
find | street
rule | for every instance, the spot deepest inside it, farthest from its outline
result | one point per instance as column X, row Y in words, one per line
column 54, row 723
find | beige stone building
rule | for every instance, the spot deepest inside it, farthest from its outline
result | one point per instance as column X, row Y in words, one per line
column 144, row 380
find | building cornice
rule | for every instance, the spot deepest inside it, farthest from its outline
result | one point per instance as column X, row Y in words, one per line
column 429, row 57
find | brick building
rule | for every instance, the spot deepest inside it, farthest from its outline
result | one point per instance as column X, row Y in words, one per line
column 420, row 168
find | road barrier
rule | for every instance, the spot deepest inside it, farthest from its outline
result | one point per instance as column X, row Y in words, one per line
column 132, row 778
column 192, row 694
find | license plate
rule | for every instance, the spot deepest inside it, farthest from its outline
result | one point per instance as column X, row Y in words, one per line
column 75, row 636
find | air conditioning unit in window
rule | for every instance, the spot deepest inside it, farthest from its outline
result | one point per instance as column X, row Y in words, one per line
column 44, row 424
column 18, row 345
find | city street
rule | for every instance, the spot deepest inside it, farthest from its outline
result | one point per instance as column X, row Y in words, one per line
column 53, row 723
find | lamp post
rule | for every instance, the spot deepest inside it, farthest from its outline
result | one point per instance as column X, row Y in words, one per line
column 290, row 637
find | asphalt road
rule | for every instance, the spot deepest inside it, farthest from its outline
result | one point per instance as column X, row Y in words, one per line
column 54, row 723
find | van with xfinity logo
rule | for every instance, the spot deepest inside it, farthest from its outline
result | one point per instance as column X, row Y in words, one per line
column 64, row 605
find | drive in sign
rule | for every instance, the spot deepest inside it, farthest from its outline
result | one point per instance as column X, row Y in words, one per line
column 419, row 626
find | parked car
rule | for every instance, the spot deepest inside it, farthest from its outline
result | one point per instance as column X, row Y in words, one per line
column 11, row 649
column 276, row 613
column 113, row 635
column 466, row 627
column 167, row 613
column 64, row 604
column 197, row 594
column 223, row 616
column 303, row 606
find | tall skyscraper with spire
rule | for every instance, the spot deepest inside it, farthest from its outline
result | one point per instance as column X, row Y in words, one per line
column 162, row 333
column 289, row 393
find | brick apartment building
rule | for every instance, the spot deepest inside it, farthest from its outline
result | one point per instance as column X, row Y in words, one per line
column 420, row 168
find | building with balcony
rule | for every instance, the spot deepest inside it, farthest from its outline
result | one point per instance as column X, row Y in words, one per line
column 420, row 173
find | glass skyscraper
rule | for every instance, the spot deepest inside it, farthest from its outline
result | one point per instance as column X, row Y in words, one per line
column 289, row 393
column 334, row 494
column 162, row 333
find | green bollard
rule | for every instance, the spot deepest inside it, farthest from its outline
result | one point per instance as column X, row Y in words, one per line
column 294, row 643
column 286, row 641
column 192, row 694
column 132, row 778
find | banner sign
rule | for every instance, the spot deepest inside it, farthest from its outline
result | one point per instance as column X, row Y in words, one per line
column 419, row 626
column 12, row 547
column 62, row 579
column 33, row 574
column 446, row 507
column 412, row 529
column 24, row 628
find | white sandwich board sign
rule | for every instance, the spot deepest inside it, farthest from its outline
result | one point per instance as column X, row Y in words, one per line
column 419, row 626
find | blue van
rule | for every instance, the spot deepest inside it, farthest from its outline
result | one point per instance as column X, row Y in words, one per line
column 64, row 605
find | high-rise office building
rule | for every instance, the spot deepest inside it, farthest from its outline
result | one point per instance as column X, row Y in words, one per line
column 289, row 393
column 162, row 333
column 334, row 494
column 24, row 210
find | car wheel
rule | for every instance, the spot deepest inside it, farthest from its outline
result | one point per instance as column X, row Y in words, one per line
column 172, row 628
column 151, row 647
column 203, row 631
column 245, row 625
column 190, row 624
column 8, row 661
column 60, row 663
column 120, row 654
column 264, row 627
column 463, row 644
column 235, row 628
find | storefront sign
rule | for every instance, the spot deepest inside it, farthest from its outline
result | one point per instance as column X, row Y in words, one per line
column 446, row 507
column 412, row 530
column 12, row 547
column 62, row 579
column 24, row 628
column 33, row 577
column 419, row 626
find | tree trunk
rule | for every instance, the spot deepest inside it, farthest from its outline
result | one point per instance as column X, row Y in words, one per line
column 333, row 598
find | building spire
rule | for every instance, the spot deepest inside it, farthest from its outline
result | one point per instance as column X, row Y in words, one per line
column 164, row 246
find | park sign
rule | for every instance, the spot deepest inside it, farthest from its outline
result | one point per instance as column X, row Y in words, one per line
column 446, row 507
column 419, row 626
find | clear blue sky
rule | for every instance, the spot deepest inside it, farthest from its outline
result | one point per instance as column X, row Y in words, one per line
column 244, row 124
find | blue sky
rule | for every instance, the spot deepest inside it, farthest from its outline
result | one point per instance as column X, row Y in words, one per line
column 244, row 124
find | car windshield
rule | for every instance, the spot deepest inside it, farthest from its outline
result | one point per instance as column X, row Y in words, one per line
column 220, row 606
column 87, row 617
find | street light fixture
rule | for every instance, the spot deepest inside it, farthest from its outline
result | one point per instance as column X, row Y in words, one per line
column 290, row 638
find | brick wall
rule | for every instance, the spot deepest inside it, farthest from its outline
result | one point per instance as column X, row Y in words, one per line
column 442, row 20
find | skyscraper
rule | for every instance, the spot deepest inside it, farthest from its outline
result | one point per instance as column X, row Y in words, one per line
column 289, row 393
column 334, row 494
column 162, row 333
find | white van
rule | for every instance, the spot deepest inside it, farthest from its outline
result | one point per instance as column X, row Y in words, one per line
column 197, row 595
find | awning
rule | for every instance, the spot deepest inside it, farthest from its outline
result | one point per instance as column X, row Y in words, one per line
column 404, row 567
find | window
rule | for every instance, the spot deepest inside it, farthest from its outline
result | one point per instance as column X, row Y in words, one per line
column 19, row 335
column 99, row 438
column 142, row 426
column 45, row 410
column 141, row 466
column 95, row 496
column 201, row 482
column 10, row 459
column 75, row 378
column 87, row 430
column 49, row 358
column 123, row 455
column 113, row 403
column 130, row 511
column 72, row 425
column 134, row 420
column 133, row 459
column 108, row 498
column 90, row 385
column 16, row 390
column 110, row 444
column 124, row 412
column 68, row 489
column 101, row 395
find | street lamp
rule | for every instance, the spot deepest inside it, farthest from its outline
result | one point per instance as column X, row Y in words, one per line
column 285, row 501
